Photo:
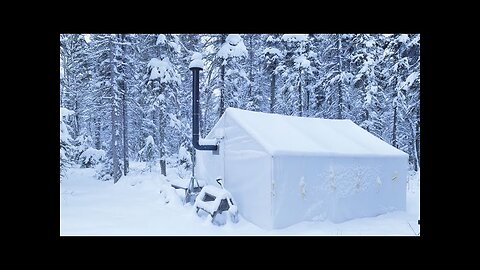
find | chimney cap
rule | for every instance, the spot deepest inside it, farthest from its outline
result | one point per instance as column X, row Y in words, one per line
column 196, row 62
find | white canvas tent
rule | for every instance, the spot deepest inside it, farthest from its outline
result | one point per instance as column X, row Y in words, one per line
column 283, row 169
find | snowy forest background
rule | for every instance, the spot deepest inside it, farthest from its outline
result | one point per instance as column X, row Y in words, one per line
column 127, row 97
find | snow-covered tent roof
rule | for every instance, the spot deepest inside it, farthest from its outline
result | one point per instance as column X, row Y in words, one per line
column 281, row 134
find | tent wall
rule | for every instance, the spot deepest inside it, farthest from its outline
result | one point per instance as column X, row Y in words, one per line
column 336, row 188
column 246, row 168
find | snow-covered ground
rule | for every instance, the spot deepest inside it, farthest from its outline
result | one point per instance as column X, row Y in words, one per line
column 135, row 206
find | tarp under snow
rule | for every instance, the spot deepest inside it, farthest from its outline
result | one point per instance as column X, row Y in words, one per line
column 284, row 169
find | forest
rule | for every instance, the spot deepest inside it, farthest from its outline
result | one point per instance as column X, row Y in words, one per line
column 128, row 97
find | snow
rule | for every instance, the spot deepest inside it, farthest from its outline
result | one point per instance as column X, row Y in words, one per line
column 295, row 37
column 64, row 134
column 233, row 47
column 197, row 61
column 370, row 43
column 87, row 38
column 271, row 39
column 161, row 39
column 135, row 206
column 64, row 112
column 163, row 70
column 233, row 39
column 183, row 153
column 93, row 155
column 301, row 61
column 203, row 141
column 211, row 206
column 403, row 38
column 175, row 46
column 411, row 78
column 273, row 51
column 149, row 140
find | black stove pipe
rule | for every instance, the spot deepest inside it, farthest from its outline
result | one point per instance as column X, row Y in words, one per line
column 196, row 113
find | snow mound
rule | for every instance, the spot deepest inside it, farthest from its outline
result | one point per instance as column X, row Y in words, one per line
column 64, row 112
column 163, row 70
column 302, row 62
column 233, row 47
column 161, row 39
column 169, row 195
column 403, row 38
column 273, row 51
column 233, row 39
column 92, row 156
column 295, row 37
column 197, row 61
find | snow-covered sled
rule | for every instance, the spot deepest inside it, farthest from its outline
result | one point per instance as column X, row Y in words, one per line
column 218, row 203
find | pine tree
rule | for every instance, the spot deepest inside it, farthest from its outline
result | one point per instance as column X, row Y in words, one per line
column 233, row 76
column 253, row 96
column 336, row 82
column 369, row 94
column 403, row 57
column 66, row 144
column 106, row 74
column 272, row 56
column 164, row 82
column 75, row 78
column 297, row 72
column 149, row 153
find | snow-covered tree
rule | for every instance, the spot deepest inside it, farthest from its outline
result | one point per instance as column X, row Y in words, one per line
column 233, row 76
column 367, row 85
column 297, row 72
column 272, row 57
column 163, row 83
column 149, row 153
column 75, row 82
column 253, row 95
column 106, row 48
column 66, row 142
column 337, row 79
column 91, row 157
column 82, row 143
column 402, row 61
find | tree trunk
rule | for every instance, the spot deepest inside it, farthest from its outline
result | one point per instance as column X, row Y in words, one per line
column 125, row 133
column 116, row 173
column 222, row 82
column 416, row 139
column 161, row 142
column 77, row 120
column 394, row 129
column 307, row 102
column 272, row 92
column 222, row 91
column 299, row 105
column 413, row 144
column 97, row 128
column 340, row 96
column 124, row 114
column 250, row 71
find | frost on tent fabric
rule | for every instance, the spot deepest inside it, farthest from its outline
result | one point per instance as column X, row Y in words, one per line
column 284, row 169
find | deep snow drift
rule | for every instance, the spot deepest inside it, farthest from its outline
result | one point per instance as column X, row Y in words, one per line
column 135, row 206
